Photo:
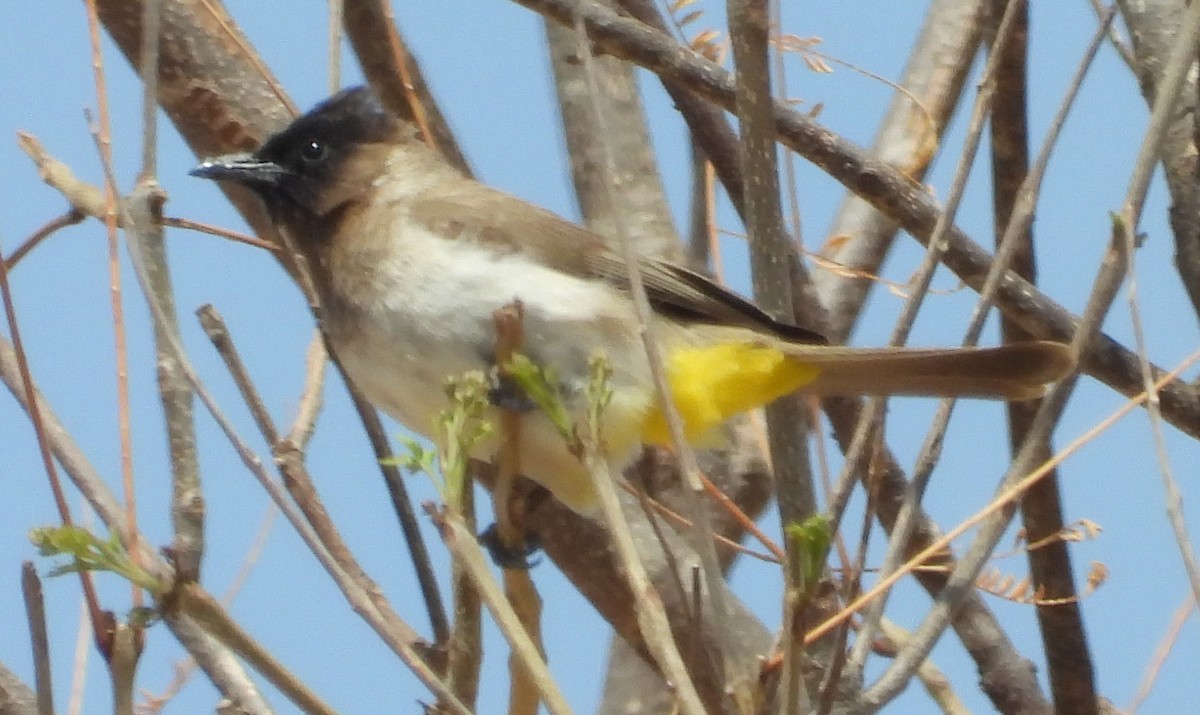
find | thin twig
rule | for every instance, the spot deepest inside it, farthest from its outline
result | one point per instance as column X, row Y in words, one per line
column 463, row 647
column 652, row 618
column 1154, row 667
column 701, row 214
column 102, row 134
column 79, row 661
column 144, row 229
column 218, row 334
column 201, row 227
column 519, row 588
column 27, row 394
column 935, row 682
column 35, row 615
column 311, row 398
column 401, row 504
column 83, row 197
column 774, row 553
column 744, row 521
column 462, row 541
column 225, row 669
column 1021, row 218
column 70, row 218
column 1114, row 36
column 151, row 29
column 87, row 200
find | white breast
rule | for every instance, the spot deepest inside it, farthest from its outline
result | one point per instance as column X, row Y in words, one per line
column 430, row 318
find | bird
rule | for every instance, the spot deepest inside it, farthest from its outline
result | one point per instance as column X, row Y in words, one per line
column 410, row 259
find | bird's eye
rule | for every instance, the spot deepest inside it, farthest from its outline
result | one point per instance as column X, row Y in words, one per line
column 313, row 151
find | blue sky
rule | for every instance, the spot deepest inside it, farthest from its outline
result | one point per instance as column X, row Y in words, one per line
column 485, row 62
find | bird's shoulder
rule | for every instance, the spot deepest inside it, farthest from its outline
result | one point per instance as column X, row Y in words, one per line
column 466, row 210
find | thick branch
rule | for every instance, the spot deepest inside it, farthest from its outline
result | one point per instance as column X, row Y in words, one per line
column 1153, row 25
column 635, row 183
column 1064, row 639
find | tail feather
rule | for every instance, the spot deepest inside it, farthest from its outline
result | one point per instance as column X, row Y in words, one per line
column 1019, row 371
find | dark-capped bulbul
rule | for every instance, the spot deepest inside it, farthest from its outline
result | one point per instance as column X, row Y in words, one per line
column 410, row 260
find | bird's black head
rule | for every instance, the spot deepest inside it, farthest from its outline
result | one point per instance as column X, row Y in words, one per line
column 306, row 169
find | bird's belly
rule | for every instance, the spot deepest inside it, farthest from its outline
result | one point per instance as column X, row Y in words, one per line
column 402, row 350
column 410, row 387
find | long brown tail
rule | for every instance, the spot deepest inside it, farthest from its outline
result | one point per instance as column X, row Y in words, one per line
column 1019, row 371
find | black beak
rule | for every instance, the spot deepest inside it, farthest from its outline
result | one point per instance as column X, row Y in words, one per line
column 242, row 168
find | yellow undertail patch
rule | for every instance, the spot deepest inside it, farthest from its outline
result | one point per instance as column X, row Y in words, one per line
column 713, row 383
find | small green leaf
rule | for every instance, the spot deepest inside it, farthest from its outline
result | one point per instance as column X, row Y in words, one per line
column 541, row 386
column 88, row 552
column 460, row 428
column 599, row 394
column 811, row 539
column 415, row 458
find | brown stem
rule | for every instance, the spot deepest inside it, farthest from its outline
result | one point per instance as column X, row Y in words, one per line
column 1064, row 638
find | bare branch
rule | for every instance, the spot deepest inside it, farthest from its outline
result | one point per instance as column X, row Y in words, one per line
column 35, row 614
column 1064, row 638
column 1154, row 27
column 634, row 187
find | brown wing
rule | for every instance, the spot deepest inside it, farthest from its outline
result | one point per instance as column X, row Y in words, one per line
column 476, row 212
